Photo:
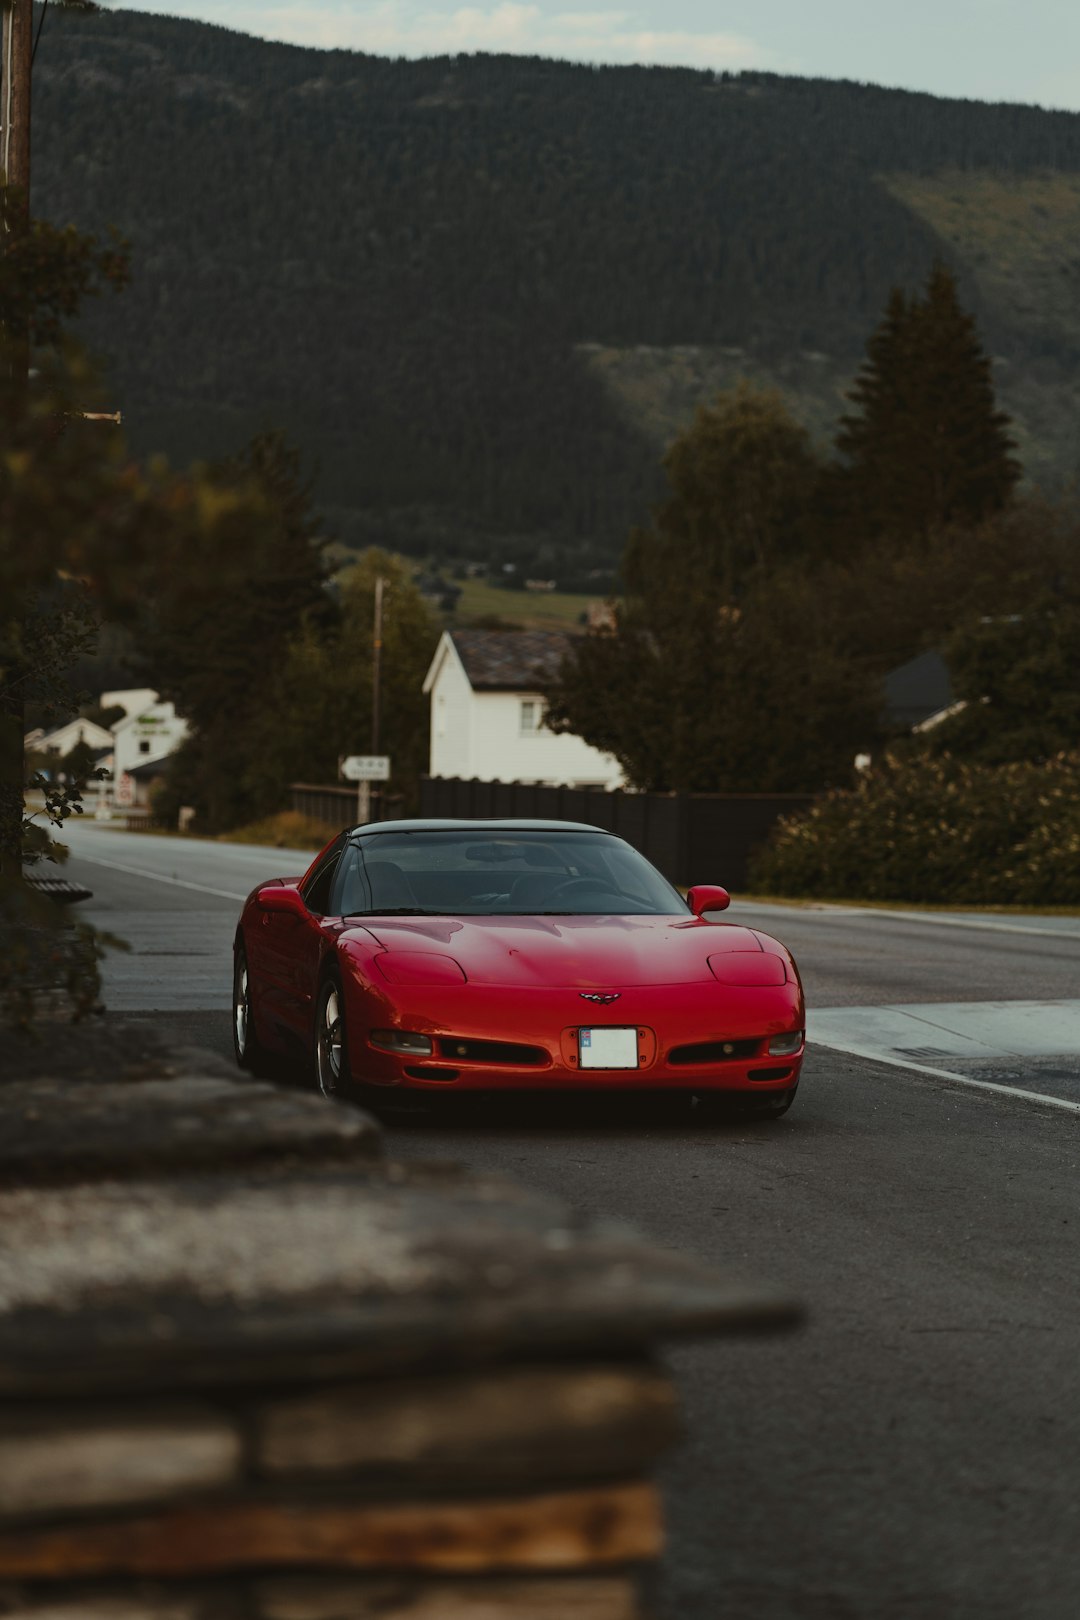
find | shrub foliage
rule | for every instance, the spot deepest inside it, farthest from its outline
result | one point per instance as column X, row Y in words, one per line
column 937, row 831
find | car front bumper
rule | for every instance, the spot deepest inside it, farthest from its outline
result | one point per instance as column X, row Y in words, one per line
column 500, row 1039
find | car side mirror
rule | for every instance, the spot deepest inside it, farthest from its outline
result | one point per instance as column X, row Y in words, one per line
column 286, row 900
column 707, row 897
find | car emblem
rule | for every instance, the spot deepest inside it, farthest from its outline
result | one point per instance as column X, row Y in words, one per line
column 601, row 996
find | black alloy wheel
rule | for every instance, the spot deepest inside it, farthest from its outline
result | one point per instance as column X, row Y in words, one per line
column 331, row 1055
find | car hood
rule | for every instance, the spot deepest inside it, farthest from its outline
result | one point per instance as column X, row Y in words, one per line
column 577, row 952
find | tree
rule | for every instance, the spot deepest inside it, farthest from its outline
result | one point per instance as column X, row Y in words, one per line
column 1018, row 677
column 58, row 483
column 319, row 704
column 743, row 480
column 724, row 671
column 219, row 630
column 925, row 446
column 84, row 533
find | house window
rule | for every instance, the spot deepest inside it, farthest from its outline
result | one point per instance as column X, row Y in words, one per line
column 144, row 747
column 532, row 716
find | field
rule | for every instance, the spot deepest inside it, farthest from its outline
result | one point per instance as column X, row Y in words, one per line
column 541, row 610
column 534, row 610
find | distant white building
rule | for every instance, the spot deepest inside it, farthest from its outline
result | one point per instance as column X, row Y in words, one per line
column 487, row 712
column 142, row 742
column 61, row 741
column 129, row 698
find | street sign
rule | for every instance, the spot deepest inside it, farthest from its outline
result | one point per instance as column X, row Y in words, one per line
column 366, row 768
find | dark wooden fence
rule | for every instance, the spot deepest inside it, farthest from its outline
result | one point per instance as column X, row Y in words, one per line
column 334, row 806
column 690, row 837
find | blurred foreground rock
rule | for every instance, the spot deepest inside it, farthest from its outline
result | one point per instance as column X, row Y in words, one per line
column 249, row 1370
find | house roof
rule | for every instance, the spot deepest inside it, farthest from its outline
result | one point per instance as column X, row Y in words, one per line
column 65, row 737
column 148, row 769
column 510, row 660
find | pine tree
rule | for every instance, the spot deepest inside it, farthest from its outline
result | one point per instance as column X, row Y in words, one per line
column 925, row 445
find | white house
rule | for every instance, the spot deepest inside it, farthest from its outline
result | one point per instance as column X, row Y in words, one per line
column 61, row 741
column 487, row 712
column 129, row 698
column 142, row 742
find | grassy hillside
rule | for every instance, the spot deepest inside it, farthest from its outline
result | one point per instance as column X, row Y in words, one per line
column 482, row 292
column 542, row 610
column 1017, row 239
column 658, row 389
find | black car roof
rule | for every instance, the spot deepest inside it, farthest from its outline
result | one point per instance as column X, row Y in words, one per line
column 372, row 829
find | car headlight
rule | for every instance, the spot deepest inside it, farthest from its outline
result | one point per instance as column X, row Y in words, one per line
column 419, row 967
column 405, row 1041
column 785, row 1045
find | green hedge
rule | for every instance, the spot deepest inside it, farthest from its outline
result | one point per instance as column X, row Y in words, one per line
column 937, row 831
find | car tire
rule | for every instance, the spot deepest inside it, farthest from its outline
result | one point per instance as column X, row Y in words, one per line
column 248, row 1050
column 735, row 1105
column 330, row 1054
column 777, row 1107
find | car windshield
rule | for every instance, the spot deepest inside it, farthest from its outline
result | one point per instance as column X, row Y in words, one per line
column 479, row 873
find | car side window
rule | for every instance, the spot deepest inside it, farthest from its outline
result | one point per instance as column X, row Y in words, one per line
column 316, row 891
column 350, row 893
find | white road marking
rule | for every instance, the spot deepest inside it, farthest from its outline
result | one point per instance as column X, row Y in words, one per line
column 904, row 1036
column 937, row 918
column 956, row 1079
column 159, row 877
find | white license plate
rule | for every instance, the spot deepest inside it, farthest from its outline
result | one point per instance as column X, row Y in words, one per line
column 608, row 1048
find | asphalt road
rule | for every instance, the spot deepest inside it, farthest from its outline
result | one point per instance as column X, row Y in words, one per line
column 915, row 1451
column 848, row 958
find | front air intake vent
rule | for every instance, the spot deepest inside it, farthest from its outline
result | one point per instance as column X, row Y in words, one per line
column 508, row 1053
column 714, row 1052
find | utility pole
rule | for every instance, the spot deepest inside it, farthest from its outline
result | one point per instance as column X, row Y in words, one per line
column 376, row 680
column 16, row 53
column 16, row 56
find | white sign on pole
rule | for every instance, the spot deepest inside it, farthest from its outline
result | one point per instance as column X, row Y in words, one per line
column 366, row 768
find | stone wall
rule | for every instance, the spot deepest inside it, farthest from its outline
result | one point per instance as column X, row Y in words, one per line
column 251, row 1370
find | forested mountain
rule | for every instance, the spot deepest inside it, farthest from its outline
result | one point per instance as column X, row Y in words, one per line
column 484, row 290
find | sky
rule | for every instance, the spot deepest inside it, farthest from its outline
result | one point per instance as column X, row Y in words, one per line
column 992, row 50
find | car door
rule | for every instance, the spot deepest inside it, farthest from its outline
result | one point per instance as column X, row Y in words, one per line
column 316, row 937
column 291, row 947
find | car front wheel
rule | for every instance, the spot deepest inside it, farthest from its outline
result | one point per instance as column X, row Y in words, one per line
column 331, row 1051
column 779, row 1105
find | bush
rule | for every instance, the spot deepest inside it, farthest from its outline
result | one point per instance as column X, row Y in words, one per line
column 286, row 830
column 936, row 831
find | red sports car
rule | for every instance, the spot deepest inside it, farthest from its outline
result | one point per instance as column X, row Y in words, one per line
column 442, row 956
